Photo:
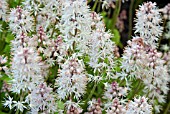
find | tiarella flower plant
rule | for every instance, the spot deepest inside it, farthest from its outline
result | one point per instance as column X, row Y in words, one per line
column 66, row 57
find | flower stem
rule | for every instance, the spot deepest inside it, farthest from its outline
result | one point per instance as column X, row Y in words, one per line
column 53, row 29
column 130, row 18
column 19, row 2
column 98, row 8
column 89, row 1
column 136, row 90
column 116, row 13
column 95, row 4
column 91, row 93
column 167, row 108
column 17, row 112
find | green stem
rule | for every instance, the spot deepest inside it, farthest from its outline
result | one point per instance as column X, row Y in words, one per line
column 89, row 1
column 116, row 13
column 137, row 2
column 53, row 29
column 17, row 112
column 98, row 8
column 167, row 108
column 95, row 4
column 35, row 20
column 19, row 2
column 91, row 93
column 136, row 90
column 121, row 82
column 130, row 19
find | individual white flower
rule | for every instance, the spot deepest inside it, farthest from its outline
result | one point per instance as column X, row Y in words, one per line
column 4, row 66
column 165, row 47
column 19, row 105
column 148, row 23
column 3, row 59
column 139, row 106
column 8, row 102
column 94, row 78
column 1, row 28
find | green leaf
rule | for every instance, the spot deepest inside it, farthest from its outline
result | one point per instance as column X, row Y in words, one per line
column 60, row 105
column 116, row 37
column 9, row 38
column 3, row 112
column 7, row 49
column 103, row 13
column 5, row 78
column 2, row 45
column 86, row 59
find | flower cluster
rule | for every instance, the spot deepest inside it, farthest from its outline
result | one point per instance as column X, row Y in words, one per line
column 116, row 107
column 94, row 107
column 42, row 99
column 46, row 13
column 72, row 78
column 144, row 62
column 75, row 24
column 3, row 9
column 141, row 60
column 62, row 56
column 139, row 106
column 148, row 23
column 24, row 75
column 73, row 108
column 49, row 48
column 166, row 11
column 101, row 48
column 113, row 90
column 115, row 96
column 20, row 21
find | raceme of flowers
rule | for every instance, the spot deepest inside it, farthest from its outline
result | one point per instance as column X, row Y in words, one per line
column 141, row 59
column 65, row 41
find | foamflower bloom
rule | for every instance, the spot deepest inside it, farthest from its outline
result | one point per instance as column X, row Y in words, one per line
column 139, row 106
column 148, row 23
